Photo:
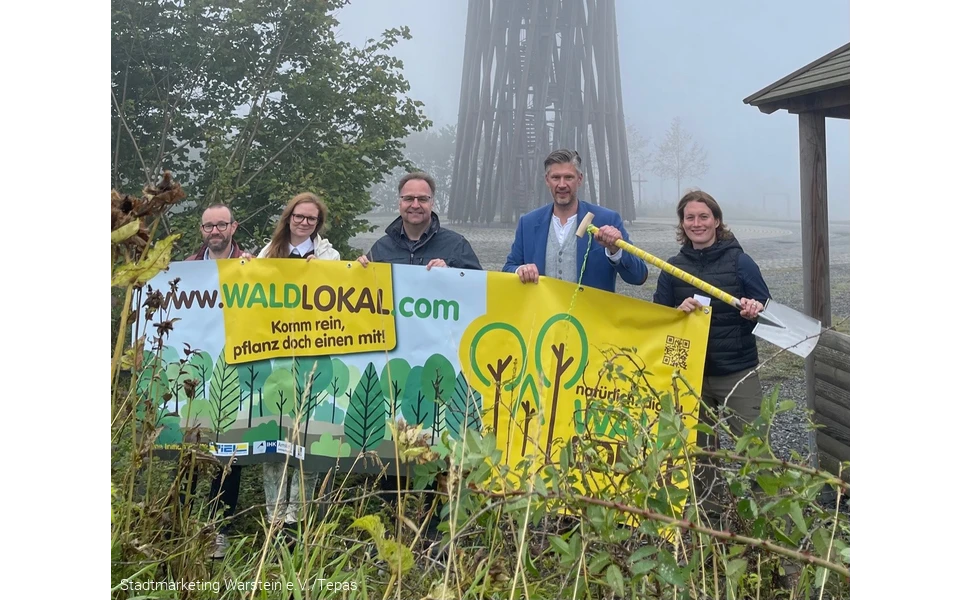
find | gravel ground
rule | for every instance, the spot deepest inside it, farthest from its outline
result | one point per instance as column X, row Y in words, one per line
column 774, row 245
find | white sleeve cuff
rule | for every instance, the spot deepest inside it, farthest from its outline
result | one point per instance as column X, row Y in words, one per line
column 614, row 258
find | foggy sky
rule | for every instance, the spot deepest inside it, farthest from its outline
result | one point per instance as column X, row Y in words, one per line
column 693, row 60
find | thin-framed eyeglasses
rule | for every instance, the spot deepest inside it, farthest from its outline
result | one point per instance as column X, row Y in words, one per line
column 221, row 226
column 411, row 199
column 302, row 218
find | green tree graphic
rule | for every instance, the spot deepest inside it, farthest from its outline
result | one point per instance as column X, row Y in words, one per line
column 313, row 375
column 437, row 382
column 253, row 376
column 465, row 408
column 416, row 406
column 334, row 394
column 169, row 425
column 278, row 394
column 202, row 364
column 152, row 384
column 498, row 370
column 529, row 401
column 392, row 379
column 565, row 357
column 365, row 422
column 224, row 396
column 177, row 372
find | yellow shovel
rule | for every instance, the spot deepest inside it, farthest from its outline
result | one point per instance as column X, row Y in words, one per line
column 778, row 324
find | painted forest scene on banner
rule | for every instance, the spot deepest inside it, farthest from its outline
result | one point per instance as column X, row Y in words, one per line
column 324, row 373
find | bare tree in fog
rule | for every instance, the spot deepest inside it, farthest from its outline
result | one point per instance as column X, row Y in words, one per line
column 433, row 151
column 679, row 157
column 639, row 157
column 430, row 151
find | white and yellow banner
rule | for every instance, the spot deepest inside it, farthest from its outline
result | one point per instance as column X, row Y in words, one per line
column 310, row 360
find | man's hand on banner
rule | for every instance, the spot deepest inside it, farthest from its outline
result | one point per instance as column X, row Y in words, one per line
column 363, row 260
column 528, row 273
column 436, row 262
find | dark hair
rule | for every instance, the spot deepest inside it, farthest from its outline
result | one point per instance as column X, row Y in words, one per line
column 723, row 233
column 219, row 205
column 417, row 175
column 562, row 156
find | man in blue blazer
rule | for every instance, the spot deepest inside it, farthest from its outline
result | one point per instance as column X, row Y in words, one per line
column 545, row 234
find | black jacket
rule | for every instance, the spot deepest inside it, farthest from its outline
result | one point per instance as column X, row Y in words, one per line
column 731, row 345
column 436, row 242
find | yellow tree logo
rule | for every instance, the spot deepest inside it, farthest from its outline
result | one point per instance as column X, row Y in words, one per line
column 546, row 383
column 563, row 355
column 501, row 369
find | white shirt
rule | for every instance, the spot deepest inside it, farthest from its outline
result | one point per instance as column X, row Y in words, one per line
column 303, row 248
column 563, row 229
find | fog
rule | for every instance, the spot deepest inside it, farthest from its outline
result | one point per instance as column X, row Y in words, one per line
column 696, row 61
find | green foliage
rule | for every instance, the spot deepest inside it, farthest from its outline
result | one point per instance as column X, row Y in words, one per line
column 251, row 106
column 431, row 151
column 398, row 558
column 625, row 540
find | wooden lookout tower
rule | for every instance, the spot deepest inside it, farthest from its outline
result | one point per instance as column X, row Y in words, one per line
column 538, row 75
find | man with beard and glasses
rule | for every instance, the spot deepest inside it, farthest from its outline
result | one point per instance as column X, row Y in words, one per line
column 217, row 227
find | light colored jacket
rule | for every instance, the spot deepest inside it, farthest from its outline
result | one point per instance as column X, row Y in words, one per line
column 322, row 249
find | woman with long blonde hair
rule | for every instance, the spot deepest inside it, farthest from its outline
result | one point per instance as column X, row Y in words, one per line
column 297, row 234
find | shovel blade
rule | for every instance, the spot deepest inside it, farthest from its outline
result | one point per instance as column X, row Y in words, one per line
column 799, row 333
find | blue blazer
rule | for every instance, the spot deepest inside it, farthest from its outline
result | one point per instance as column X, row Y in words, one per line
column 530, row 246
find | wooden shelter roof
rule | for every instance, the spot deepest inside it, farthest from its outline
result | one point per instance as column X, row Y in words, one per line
column 822, row 85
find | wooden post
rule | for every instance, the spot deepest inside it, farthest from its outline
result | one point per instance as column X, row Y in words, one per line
column 815, row 236
column 853, row 292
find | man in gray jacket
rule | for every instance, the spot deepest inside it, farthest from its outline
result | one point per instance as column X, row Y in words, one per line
column 415, row 237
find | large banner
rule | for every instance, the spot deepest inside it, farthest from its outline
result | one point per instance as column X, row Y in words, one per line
column 274, row 359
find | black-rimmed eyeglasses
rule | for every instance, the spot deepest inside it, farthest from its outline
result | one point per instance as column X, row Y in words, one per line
column 302, row 218
column 208, row 227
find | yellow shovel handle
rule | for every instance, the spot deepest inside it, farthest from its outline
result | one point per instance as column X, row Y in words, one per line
column 678, row 273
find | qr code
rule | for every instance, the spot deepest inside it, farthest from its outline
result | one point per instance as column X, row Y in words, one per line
column 675, row 352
